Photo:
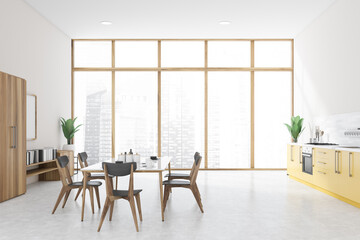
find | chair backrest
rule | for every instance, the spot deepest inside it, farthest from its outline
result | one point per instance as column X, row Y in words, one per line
column 118, row 170
column 195, row 167
column 63, row 168
column 82, row 157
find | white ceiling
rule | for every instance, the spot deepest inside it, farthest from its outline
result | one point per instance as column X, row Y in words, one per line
column 181, row 18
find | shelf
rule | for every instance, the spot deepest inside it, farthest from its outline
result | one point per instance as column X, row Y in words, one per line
column 40, row 163
column 38, row 171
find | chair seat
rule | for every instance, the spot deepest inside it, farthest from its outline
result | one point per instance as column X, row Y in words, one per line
column 97, row 175
column 125, row 193
column 182, row 175
column 89, row 183
column 176, row 182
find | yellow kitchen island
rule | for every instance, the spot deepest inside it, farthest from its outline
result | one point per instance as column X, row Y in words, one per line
column 336, row 171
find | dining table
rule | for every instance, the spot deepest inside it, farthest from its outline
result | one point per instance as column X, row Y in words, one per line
column 146, row 165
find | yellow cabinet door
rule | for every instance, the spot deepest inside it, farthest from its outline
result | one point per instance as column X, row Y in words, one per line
column 295, row 157
column 290, row 160
column 298, row 161
column 324, row 168
column 351, row 188
column 294, row 160
column 339, row 177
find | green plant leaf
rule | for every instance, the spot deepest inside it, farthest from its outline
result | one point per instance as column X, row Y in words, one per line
column 296, row 128
column 68, row 128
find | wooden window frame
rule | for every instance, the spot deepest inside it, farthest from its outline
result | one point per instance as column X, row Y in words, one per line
column 252, row 69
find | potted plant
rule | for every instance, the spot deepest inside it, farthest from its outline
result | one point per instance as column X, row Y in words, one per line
column 296, row 127
column 69, row 130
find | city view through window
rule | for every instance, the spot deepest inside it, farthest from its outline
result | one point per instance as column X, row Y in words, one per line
column 226, row 99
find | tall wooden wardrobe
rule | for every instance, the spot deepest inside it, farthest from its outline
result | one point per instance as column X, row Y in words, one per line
column 12, row 136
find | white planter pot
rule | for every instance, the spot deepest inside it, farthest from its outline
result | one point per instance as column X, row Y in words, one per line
column 69, row 147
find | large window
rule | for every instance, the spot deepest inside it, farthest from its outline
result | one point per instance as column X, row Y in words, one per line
column 136, row 112
column 182, row 116
column 229, row 120
column 272, row 109
column 93, row 109
column 227, row 99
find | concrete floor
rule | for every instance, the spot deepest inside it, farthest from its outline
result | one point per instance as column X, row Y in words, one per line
column 237, row 204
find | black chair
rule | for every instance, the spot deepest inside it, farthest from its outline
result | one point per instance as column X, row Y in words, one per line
column 172, row 175
column 190, row 184
column 62, row 165
column 120, row 170
column 83, row 163
column 82, row 159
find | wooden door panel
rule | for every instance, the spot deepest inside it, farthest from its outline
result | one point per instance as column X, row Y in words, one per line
column 13, row 139
column 20, row 131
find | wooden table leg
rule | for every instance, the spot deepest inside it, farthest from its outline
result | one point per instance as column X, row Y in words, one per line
column 161, row 196
column 83, row 197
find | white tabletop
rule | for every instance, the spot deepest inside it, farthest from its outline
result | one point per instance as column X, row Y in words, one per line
column 146, row 165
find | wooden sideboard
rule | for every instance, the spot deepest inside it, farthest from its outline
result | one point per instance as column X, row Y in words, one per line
column 47, row 170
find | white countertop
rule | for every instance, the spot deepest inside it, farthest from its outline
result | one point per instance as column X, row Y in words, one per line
column 335, row 147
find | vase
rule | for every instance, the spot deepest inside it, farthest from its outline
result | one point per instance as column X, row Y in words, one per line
column 69, row 147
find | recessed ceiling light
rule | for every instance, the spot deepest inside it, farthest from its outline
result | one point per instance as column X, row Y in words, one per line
column 106, row 23
column 224, row 22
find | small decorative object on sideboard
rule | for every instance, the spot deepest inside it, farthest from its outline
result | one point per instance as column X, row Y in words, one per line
column 69, row 131
column 137, row 158
column 129, row 157
column 121, row 157
column 40, row 155
column 296, row 127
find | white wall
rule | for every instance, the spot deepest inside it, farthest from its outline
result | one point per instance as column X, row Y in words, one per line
column 327, row 63
column 34, row 49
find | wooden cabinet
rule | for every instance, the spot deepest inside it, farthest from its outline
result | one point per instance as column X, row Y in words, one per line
column 47, row 171
column 12, row 136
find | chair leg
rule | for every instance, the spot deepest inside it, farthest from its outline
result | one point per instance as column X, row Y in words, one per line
column 111, row 210
column 132, row 206
column 170, row 178
column 197, row 190
column 66, row 197
column 116, row 184
column 198, row 195
column 105, row 209
column 97, row 196
column 61, row 194
column 91, row 191
column 166, row 196
column 197, row 198
column 138, row 203
column 78, row 193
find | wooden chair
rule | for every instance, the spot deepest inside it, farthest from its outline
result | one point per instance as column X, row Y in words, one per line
column 119, row 170
column 62, row 165
column 82, row 158
column 185, row 176
column 83, row 163
column 191, row 184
